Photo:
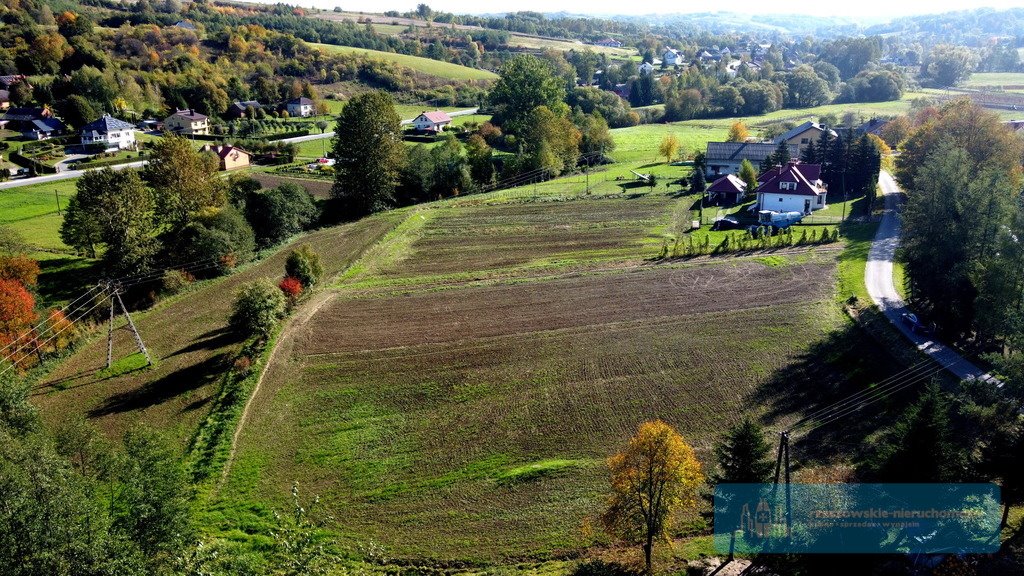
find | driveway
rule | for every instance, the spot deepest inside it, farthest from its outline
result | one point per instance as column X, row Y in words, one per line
column 879, row 280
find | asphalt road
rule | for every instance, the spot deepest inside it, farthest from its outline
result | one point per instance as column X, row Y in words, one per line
column 66, row 174
column 879, row 280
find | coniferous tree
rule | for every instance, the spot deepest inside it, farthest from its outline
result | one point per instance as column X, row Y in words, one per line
column 743, row 455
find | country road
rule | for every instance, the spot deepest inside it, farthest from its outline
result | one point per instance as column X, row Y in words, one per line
column 879, row 279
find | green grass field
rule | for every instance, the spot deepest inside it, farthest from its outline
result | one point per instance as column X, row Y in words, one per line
column 417, row 63
column 995, row 79
column 32, row 212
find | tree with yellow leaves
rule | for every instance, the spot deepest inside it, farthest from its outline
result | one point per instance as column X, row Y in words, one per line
column 669, row 147
column 738, row 132
column 655, row 476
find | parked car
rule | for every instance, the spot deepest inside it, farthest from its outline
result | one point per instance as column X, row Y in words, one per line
column 727, row 223
column 915, row 325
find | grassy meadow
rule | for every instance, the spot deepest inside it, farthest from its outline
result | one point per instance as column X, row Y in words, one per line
column 424, row 65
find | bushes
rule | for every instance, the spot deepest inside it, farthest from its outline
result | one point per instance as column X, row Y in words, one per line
column 761, row 239
column 258, row 307
column 280, row 212
column 224, row 236
column 304, row 265
column 174, row 281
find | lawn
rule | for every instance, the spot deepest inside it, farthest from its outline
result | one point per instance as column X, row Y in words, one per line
column 417, row 63
column 995, row 79
column 32, row 211
column 535, row 43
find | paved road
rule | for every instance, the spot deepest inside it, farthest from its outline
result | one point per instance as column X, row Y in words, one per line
column 62, row 176
column 879, row 280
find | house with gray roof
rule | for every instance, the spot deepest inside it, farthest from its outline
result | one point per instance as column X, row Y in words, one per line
column 725, row 157
column 804, row 135
column 109, row 131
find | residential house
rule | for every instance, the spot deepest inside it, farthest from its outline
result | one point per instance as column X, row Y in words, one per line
column 23, row 119
column 148, row 125
column 231, row 157
column 873, row 126
column 109, row 131
column 725, row 157
column 609, row 43
column 44, row 128
column 187, row 122
column 672, row 57
column 645, row 68
column 6, row 82
column 803, row 135
column 432, row 121
column 705, row 57
column 728, row 189
column 795, row 187
column 241, row 109
column 300, row 107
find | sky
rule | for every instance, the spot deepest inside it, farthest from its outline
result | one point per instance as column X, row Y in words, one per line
column 875, row 10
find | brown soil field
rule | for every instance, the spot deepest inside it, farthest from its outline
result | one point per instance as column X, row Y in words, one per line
column 190, row 345
column 413, row 416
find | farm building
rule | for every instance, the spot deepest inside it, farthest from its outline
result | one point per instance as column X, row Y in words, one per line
column 109, row 131
column 726, row 157
column 187, row 122
column 795, row 187
column 435, row 121
column 230, row 157
column 804, row 135
column 241, row 109
column 728, row 189
column 300, row 107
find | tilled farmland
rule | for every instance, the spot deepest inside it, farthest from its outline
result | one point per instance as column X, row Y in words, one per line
column 411, row 415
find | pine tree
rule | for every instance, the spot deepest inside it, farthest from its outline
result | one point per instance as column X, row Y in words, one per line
column 697, row 181
column 743, row 455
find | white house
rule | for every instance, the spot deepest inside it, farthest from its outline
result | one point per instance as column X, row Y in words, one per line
column 645, row 68
column 107, row 130
column 300, row 107
column 435, row 121
column 794, row 187
column 672, row 57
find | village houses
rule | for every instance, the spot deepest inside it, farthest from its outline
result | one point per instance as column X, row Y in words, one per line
column 795, row 187
column 300, row 107
column 434, row 122
column 230, row 157
column 188, row 123
column 803, row 136
column 112, row 133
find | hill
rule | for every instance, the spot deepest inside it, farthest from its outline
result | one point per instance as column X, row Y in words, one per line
column 445, row 70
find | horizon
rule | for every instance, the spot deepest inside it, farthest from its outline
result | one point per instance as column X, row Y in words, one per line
column 607, row 8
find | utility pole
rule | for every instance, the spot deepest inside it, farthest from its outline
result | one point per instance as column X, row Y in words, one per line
column 115, row 300
column 57, row 197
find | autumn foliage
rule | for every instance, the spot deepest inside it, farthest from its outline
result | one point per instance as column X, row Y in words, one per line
column 653, row 478
column 291, row 287
column 17, row 312
column 19, row 268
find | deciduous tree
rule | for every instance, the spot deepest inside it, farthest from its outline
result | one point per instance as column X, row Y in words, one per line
column 669, row 147
column 526, row 83
column 184, row 180
column 369, row 151
column 738, row 132
column 657, row 475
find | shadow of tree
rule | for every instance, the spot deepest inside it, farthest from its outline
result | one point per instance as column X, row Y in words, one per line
column 846, row 361
column 211, row 340
column 163, row 388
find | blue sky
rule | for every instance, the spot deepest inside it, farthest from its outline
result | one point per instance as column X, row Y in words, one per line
column 873, row 9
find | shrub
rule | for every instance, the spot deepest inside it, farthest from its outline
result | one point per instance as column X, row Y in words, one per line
column 291, row 287
column 258, row 306
column 175, row 281
column 20, row 268
column 304, row 264
column 280, row 212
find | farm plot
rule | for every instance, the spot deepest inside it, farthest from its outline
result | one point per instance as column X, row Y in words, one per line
column 191, row 346
column 472, row 424
column 485, row 235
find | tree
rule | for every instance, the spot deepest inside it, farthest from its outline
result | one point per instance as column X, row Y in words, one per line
column 303, row 264
column 526, row 83
column 669, row 147
column 257, row 308
column 921, row 447
column 896, row 131
column 481, row 160
column 151, row 505
column 369, row 153
column 119, row 206
column 738, row 132
column 322, row 125
column 549, row 142
column 948, row 65
column 748, row 174
column 698, row 183
column 806, row 89
column 184, row 180
column 11, row 243
column 657, row 475
column 743, row 455
column 278, row 213
column 17, row 312
column 19, row 268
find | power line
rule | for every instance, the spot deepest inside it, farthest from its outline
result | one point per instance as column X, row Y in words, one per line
column 55, row 335
column 38, row 331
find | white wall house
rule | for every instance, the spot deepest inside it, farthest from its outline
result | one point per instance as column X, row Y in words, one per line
column 645, row 68
column 671, row 57
column 300, row 107
column 794, row 187
column 435, row 121
column 107, row 130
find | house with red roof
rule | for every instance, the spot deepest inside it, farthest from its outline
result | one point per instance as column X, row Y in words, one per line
column 435, row 121
column 728, row 189
column 795, row 187
column 230, row 157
